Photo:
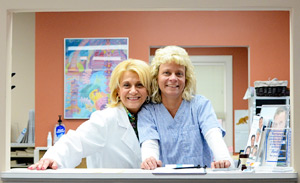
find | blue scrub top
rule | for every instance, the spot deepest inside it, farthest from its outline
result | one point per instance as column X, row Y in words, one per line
column 181, row 138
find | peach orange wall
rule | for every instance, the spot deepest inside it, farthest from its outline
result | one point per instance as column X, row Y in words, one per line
column 266, row 33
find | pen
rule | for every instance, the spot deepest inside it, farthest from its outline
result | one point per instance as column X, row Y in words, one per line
column 184, row 167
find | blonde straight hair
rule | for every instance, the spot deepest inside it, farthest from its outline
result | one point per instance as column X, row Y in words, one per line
column 141, row 68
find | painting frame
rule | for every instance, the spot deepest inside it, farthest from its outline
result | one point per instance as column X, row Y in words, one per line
column 88, row 64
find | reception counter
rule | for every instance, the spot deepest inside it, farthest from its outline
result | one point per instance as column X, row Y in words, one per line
column 138, row 175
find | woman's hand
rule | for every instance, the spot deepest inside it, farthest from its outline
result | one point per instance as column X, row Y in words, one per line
column 43, row 164
column 221, row 164
column 151, row 163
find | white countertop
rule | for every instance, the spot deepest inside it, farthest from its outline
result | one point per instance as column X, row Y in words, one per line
column 130, row 175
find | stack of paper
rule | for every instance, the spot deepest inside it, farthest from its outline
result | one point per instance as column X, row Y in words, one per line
column 29, row 135
column 13, row 162
column 29, row 151
column 187, row 171
column 21, row 153
column 13, row 153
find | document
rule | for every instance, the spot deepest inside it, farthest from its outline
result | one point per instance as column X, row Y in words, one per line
column 183, row 171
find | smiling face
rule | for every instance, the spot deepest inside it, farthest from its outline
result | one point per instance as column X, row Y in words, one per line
column 252, row 140
column 248, row 150
column 132, row 92
column 279, row 120
column 254, row 151
column 257, row 136
column 171, row 80
column 261, row 121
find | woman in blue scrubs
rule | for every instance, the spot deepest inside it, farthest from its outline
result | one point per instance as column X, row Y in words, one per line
column 179, row 127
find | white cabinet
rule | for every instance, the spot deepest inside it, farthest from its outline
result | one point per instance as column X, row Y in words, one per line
column 21, row 155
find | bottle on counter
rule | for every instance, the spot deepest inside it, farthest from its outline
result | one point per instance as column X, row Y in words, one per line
column 243, row 158
column 49, row 140
column 59, row 130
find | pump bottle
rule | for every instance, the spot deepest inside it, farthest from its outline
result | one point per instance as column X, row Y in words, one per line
column 59, row 130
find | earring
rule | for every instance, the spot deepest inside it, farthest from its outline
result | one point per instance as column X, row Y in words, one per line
column 148, row 99
column 118, row 98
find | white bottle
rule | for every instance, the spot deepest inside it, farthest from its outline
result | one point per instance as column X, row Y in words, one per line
column 49, row 140
column 59, row 130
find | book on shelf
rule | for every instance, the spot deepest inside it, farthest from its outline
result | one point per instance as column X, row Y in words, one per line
column 21, row 136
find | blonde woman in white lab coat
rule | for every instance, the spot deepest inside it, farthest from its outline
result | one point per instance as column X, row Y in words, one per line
column 109, row 138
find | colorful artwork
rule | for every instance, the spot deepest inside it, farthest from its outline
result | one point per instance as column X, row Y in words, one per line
column 88, row 67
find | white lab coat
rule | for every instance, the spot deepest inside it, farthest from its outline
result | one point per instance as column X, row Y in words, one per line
column 107, row 140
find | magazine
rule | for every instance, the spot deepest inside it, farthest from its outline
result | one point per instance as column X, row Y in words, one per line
column 276, row 137
column 254, row 137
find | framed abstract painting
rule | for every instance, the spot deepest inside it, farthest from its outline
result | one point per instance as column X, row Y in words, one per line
column 88, row 64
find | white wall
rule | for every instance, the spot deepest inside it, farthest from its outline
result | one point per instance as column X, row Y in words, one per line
column 23, row 64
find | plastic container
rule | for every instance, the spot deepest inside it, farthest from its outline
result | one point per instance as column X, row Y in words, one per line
column 49, row 140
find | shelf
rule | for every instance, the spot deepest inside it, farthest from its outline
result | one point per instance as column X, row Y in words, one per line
column 257, row 102
column 272, row 98
column 12, row 145
column 29, row 156
column 21, row 154
column 20, row 166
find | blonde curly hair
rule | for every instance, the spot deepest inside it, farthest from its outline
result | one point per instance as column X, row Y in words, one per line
column 178, row 55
